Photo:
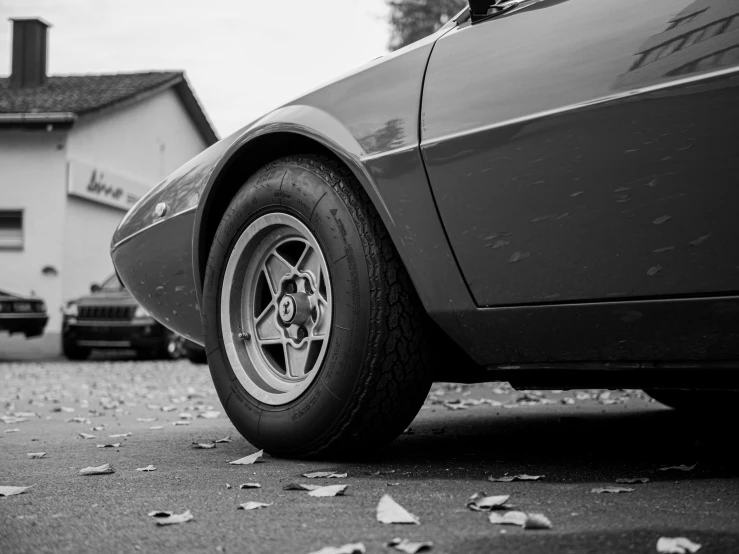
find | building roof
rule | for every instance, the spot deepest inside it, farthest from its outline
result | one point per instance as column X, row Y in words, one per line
column 83, row 94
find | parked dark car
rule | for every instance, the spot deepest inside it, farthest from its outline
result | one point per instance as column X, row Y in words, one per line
column 543, row 192
column 22, row 315
column 110, row 318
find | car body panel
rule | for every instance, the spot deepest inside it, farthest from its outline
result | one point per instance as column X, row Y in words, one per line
column 592, row 171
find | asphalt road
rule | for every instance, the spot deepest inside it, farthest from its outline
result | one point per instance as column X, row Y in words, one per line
column 432, row 470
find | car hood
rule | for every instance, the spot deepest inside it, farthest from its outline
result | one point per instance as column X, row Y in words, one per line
column 123, row 298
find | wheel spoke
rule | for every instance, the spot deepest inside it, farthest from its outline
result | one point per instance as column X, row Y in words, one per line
column 296, row 358
column 266, row 326
column 320, row 329
column 276, row 267
column 310, row 262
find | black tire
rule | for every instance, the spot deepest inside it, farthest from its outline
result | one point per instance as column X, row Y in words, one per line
column 73, row 352
column 376, row 373
column 696, row 401
column 197, row 357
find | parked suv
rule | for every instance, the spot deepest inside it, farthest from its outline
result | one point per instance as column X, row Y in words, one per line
column 110, row 318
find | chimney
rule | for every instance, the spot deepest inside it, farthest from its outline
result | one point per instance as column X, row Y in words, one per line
column 28, row 67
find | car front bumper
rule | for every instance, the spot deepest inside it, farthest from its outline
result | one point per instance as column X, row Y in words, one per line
column 113, row 334
column 31, row 325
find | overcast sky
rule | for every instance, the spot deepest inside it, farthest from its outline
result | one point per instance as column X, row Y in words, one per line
column 242, row 57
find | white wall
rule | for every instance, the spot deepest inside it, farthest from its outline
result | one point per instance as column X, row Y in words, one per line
column 32, row 178
column 146, row 141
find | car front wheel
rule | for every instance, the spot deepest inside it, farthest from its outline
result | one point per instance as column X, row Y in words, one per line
column 317, row 341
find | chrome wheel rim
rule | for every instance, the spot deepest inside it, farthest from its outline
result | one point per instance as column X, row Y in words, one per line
column 276, row 308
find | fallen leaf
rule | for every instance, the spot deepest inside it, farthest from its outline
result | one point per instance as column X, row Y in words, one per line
column 228, row 486
column 78, row 420
column 99, row 470
column 537, row 521
column 354, row 548
column 409, row 547
column 252, row 505
column 109, row 445
column 175, row 518
column 662, row 219
column 481, row 502
column 97, row 428
column 300, row 487
column 155, row 427
column 160, row 513
column 247, row 460
column 146, row 419
column 204, row 445
column 12, row 419
column 25, row 414
column 11, row 430
column 508, row 518
column 180, row 423
column 389, row 511
column 611, row 490
column 509, row 478
column 118, row 435
column 210, row 414
column 224, row 439
column 10, row 491
column 147, row 468
column 679, row 468
column 86, row 435
column 677, row 545
column 168, row 408
column 250, row 486
column 325, row 474
column 185, row 415
column 331, row 490
column 631, row 480
column 36, row 455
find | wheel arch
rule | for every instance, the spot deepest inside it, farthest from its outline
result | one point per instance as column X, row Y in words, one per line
column 254, row 150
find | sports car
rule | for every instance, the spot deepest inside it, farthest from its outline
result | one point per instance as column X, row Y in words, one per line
column 542, row 192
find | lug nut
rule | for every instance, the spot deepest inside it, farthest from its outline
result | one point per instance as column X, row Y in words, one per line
column 302, row 333
column 290, row 287
column 245, row 336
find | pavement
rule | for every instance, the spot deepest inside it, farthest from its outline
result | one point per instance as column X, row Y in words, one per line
column 575, row 440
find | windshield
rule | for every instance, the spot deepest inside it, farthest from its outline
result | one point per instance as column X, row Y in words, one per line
column 112, row 284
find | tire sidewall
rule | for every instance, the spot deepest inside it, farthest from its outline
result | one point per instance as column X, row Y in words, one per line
column 299, row 190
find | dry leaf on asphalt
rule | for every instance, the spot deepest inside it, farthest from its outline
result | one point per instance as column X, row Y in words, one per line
column 354, row 548
column 185, row 415
column 10, row 491
column 160, row 513
column 247, row 460
column 168, row 408
column 300, row 487
column 520, row 477
column 224, row 439
column 86, row 435
column 389, row 511
column 147, row 468
column 611, row 489
column 210, row 414
column 331, row 490
column 677, row 545
column 175, row 518
column 250, row 486
column 99, row 470
column 679, row 468
column 180, row 423
column 537, row 521
column 404, row 545
column 36, row 455
column 11, row 430
column 252, row 505
column 118, row 435
column 204, row 445
column 481, row 502
column 632, row 480
column 146, row 419
column 325, row 474
column 508, row 518
column 78, row 420
column 109, row 445
column 12, row 419
column 154, row 427
column 228, row 486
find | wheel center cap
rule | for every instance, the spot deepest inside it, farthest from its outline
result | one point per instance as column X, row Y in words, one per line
column 287, row 309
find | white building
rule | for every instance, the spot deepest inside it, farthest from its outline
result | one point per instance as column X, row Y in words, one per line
column 75, row 153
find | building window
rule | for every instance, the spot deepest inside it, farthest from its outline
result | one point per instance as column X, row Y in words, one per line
column 11, row 230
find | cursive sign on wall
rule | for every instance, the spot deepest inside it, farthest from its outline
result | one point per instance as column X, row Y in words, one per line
column 92, row 182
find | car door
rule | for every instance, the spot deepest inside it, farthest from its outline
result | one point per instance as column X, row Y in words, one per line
column 586, row 149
